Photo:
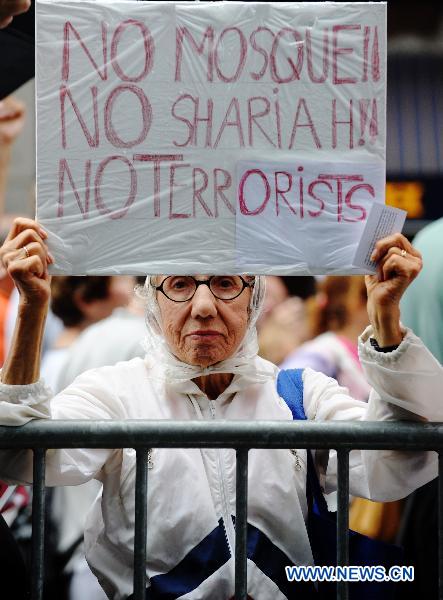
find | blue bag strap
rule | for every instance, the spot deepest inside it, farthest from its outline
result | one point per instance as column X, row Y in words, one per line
column 290, row 389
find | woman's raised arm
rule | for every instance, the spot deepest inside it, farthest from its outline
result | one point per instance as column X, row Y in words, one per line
column 26, row 258
column 398, row 264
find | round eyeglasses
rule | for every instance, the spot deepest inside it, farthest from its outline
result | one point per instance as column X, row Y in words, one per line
column 182, row 288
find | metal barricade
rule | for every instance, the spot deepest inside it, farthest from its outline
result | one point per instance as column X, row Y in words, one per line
column 239, row 435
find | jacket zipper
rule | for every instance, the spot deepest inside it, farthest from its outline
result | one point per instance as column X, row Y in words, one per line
column 228, row 526
column 226, row 512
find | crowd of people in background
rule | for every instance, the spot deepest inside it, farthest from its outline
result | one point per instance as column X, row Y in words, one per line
column 307, row 322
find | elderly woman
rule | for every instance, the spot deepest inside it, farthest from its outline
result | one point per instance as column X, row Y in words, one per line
column 201, row 363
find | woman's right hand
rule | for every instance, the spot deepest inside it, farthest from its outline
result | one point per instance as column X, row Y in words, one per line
column 25, row 257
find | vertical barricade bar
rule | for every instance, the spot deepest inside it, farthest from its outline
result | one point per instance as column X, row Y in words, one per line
column 343, row 518
column 440, row 525
column 38, row 525
column 141, row 496
column 241, row 526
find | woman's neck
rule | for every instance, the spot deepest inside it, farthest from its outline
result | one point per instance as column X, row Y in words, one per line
column 214, row 385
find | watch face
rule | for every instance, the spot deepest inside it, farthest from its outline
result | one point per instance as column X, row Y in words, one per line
column 17, row 53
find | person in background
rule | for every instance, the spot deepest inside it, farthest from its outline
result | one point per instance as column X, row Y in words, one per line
column 283, row 325
column 422, row 309
column 337, row 315
column 6, row 289
column 111, row 340
column 80, row 302
column 12, row 120
column 13, row 575
column 53, row 325
column 422, row 306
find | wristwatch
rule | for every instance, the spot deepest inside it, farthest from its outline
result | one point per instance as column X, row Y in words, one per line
column 375, row 345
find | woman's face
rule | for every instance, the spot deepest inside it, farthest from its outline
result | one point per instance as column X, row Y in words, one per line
column 205, row 329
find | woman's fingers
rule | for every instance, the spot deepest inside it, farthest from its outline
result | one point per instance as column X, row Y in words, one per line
column 27, row 236
column 26, row 269
column 32, row 279
column 26, row 258
column 396, row 240
column 37, row 249
column 22, row 224
column 399, row 263
column 395, row 255
column 28, row 241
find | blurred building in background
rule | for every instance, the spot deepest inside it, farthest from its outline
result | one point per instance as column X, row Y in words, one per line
column 414, row 134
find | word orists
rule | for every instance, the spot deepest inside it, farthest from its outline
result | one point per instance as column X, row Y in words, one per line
column 165, row 186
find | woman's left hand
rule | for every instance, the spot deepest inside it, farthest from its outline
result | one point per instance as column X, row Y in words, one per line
column 398, row 264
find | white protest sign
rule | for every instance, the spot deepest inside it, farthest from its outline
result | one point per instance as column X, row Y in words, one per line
column 208, row 137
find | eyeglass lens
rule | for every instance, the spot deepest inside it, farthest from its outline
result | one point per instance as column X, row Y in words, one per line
column 182, row 288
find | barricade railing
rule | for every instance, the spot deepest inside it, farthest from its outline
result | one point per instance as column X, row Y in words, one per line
column 40, row 436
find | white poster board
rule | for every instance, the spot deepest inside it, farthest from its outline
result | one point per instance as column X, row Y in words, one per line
column 208, row 137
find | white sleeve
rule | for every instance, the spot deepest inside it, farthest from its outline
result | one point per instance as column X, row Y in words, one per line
column 406, row 384
column 91, row 396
